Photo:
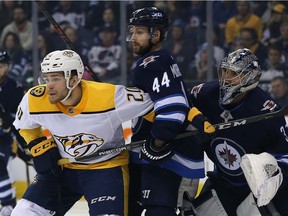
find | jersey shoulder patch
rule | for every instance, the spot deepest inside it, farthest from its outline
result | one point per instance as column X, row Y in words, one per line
column 38, row 91
column 38, row 99
column 148, row 60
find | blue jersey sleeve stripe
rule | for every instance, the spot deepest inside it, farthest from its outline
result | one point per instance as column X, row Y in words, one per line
column 169, row 96
column 177, row 116
column 171, row 101
column 172, row 117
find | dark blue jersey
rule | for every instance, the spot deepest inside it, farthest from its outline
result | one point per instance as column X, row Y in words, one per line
column 11, row 93
column 231, row 144
column 158, row 74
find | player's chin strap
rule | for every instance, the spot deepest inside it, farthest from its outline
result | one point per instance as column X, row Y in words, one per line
column 70, row 89
column 263, row 176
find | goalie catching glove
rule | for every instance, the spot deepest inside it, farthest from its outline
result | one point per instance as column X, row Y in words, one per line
column 153, row 154
column 263, row 176
column 45, row 156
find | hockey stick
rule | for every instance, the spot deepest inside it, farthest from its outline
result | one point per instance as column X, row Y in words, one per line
column 219, row 126
column 253, row 119
column 64, row 37
column 129, row 146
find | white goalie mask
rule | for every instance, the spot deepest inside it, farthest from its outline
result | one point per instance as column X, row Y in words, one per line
column 66, row 61
column 245, row 64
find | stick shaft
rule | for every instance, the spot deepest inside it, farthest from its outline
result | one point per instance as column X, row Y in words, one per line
column 130, row 146
column 64, row 37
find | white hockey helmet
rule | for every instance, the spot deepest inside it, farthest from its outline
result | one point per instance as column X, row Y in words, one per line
column 245, row 64
column 63, row 60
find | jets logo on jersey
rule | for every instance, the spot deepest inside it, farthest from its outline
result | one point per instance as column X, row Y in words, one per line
column 81, row 144
column 38, row 91
column 269, row 105
column 148, row 60
column 228, row 154
column 196, row 89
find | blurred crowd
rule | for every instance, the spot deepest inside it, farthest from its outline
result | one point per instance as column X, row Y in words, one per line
column 93, row 27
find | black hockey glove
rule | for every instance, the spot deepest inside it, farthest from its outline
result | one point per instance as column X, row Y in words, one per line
column 24, row 155
column 45, row 156
column 205, row 128
column 153, row 154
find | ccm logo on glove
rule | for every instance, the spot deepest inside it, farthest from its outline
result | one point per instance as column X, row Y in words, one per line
column 42, row 147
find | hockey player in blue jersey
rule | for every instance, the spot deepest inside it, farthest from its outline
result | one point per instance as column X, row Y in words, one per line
column 251, row 161
column 169, row 167
column 11, row 93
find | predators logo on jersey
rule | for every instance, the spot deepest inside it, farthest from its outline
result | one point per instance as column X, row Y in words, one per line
column 81, row 144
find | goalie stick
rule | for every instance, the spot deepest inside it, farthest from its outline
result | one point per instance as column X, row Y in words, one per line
column 64, row 37
column 219, row 126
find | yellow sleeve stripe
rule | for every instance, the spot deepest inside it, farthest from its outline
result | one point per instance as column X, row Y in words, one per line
column 150, row 116
column 192, row 113
column 31, row 134
column 42, row 147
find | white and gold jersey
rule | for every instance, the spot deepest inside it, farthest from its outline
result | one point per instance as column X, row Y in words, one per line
column 94, row 124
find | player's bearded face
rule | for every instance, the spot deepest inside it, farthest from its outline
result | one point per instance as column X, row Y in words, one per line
column 140, row 39
column 3, row 72
column 56, row 86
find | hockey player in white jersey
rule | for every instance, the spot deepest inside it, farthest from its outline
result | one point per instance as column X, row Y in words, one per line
column 83, row 117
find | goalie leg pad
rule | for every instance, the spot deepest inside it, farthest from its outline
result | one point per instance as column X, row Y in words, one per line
column 249, row 207
column 263, row 176
column 208, row 204
column 187, row 191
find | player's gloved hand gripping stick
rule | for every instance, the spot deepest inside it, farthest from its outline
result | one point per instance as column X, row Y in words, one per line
column 159, row 152
column 45, row 155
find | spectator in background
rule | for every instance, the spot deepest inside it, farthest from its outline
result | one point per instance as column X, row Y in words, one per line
column 274, row 66
column 55, row 40
column 195, row 17
column 267, row 14
column 272, row 30
column 109, row 19
column 280, row 90
column 69, row 12
column 181, row 51
column 21, row 26
column 282, row 41
column 81, row 46
column 244, row 19
column 97, row 14
column 44, row 46
column 104, row 58
column 20, row 67
column 6, row 13
column 248, row 38
column 174, row 9
column 199, row 69
column 222, row 12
